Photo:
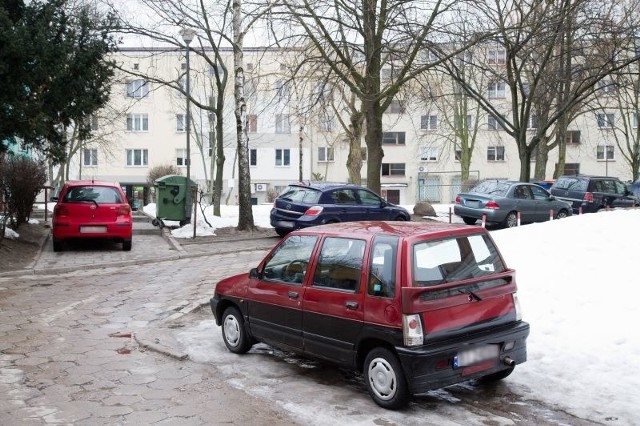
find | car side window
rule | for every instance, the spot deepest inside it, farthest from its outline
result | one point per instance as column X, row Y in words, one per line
column 621, row 188
column 522, row 192
column 288, row 264
column 340, row 264
column 382, row 271
column 539, row 193
column 369, row 199
column 343, row 196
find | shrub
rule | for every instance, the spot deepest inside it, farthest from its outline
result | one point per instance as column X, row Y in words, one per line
column 22, row 179
column 159, row 171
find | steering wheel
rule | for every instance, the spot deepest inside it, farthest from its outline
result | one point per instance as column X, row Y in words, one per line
column 294, row 269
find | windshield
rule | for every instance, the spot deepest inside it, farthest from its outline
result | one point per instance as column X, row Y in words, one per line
column 491, row 187
column 303, row 195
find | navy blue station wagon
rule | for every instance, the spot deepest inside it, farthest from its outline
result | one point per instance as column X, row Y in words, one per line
column 308, row 204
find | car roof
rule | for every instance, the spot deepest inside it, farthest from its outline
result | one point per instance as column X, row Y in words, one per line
column 323, row 186
column 394, row 228
column 91, row 182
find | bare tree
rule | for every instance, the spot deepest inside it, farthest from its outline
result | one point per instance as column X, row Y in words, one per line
column 359, row 40
column 549, row 56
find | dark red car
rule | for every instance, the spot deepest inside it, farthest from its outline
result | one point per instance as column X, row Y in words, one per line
column 415, row 306
column 92, row 209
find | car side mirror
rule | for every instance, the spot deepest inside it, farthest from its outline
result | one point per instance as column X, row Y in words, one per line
column 253, row 273
column 383, row 203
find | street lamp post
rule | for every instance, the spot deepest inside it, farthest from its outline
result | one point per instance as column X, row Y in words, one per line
column 187, row 35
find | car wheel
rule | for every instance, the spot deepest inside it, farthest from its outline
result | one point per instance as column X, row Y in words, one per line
column 385, row 379
column 511, row 220
column 469, row 220
column 562, row 214
column 126, row 245
column 282, row 232
column 400, row 219
column 233, row 332
column 57, row 244
column 490, row 378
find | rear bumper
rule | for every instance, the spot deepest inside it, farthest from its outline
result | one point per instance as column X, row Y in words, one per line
column 492, row 215
column 117, row 231
column 431, row 366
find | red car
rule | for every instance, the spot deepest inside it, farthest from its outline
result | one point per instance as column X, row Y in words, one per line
column 415, row 306
column 92, row 209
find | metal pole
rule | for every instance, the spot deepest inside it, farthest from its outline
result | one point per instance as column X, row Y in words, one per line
column 187, row 204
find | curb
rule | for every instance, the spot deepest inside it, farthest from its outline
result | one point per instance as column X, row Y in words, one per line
column 157, row 344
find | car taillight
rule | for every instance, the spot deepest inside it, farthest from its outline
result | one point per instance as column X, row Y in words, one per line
column 588, row 197
column 313, row 211
column 458, row 200
column 124, row 210
column 412, row 330
column 60, row 210
column 516, row 304
column 492, row 205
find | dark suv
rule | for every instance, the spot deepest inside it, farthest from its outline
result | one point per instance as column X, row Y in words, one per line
column 592, row 193
column 308, row 204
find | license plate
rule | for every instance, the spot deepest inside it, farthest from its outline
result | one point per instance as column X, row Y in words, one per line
column 93, row 229
column 476, row 355
column 474, row 204
column 286, row 224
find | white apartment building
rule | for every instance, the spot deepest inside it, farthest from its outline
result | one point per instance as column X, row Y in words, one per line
column 144, row 127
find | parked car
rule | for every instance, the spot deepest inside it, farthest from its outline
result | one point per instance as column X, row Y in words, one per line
column 92, row 209
column 302, row 205
column 500, row 201
column 415, row 306
column 593, row 193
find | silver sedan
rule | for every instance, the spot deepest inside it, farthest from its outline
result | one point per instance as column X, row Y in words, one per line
column 500, row 201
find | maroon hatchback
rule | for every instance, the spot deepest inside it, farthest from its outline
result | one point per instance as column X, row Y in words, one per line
column 92, row 209
column 415, row 306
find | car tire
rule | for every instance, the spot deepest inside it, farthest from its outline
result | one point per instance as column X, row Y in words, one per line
column 495, row 377
column 469, row 220
column 126, row 245
column 282, row 232
column 233, row 332
column 511, row 221
column 562, row 214
column 401, row 219
column 385, row 379
column 57, row 244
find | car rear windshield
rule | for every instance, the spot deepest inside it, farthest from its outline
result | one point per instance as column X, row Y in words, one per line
column 454, row 259
column 491, row 187
column 98, row 194
column 570, row 183
column 299, row 194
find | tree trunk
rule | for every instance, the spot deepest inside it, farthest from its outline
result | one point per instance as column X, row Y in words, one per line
column 354, row 160
column 373, row 139
column 220, row 159
column 245, row 219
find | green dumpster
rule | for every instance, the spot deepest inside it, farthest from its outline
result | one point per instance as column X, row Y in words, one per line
column 171, row 196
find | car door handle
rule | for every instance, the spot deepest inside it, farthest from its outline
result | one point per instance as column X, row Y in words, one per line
column 293, row 295
column 351, row 305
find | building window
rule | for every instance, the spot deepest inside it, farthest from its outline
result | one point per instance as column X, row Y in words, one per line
column 283, row 157
column 253, row 157
column 252, row 123
column 495, row 153
column 572, row 169
column 605, row 121
column 137, row 88
column 393, row 138
column 572, row 137
column 137, row 157
column 282, row 123
column 136, row 66
column 249, row 66
column 325, row 154
column 493, row 123
column 532, row 123
column 429, row 153
column 180, row 123
column 457, row 155
column 181, row 157
column 606, row 86
column 396, row 107
column 90, row 157
column 496, row 56
column 326, row 123
column 605, row 153
column 218, row 68
column 497, row 90
column 460, row 125
column 634, row 120
column 137, row 122
column 283, row 90
column 429, row 122
column 393, row 169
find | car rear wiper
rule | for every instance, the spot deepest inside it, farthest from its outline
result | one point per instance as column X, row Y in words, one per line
column 88, row 199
